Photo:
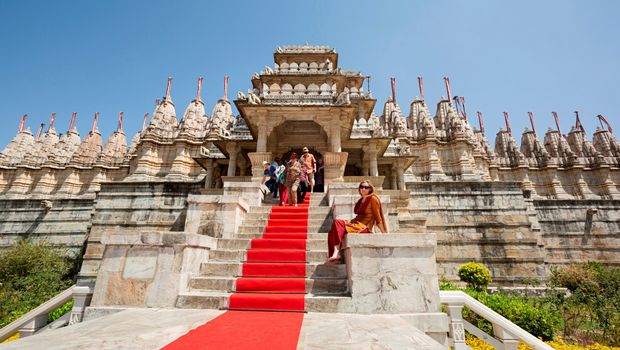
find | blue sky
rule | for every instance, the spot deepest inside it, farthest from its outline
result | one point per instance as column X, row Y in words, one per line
column 111, row 56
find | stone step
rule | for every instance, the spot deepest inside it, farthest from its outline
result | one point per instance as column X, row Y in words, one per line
column 262, row 222
column 312, row 256
column 240, row 243
column 257, row 229
column 233, row 269
column 309, row 236
column 219, row 300
column 317, row 286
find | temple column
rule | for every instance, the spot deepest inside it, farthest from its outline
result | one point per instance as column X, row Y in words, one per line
column 232, row 150
column 371, row 153
column 209, row 177
column 394, row 178
column 241, row 162
column 399, row 170
column 263, row 132
column 335, row 136
column 365, row 167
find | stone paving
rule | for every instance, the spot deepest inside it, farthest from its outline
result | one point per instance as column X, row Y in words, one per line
column 154, row 328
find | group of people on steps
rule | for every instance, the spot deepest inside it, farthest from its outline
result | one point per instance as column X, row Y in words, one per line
column 292, row 181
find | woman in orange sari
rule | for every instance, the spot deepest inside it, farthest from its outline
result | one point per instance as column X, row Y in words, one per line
column 369, row 213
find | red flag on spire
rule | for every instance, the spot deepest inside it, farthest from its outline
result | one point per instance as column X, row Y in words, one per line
column 168, row 85
column 226, row 88
column 146, row 116
column 463, row 111
column 95, row 122
column 531, row 115
column 578, row 125
column 52, row 118
column 72, row 124
column 199, row 89
column 602, row 119
column 120, row 122
column 557, row 121
column 39, row 131
column 393, row 83
column 480, row 122
column 421, row 87
column 507, row 123
column 22, row 123
column 447, row 82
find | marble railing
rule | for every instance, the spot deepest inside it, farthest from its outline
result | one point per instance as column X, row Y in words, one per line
column 506, row 335
column 35, row 320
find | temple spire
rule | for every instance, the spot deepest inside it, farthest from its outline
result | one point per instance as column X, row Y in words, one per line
column 421, row 87
column 95, row 123
column 393, row 84
column 480, row 122
column 531, row 115
column 52, row 118
column 157, row 102
column 199, row 89
column 447, row 82
column 146, row 117
column 557, row 121
column 507, row 123
column 39, row 131
column 72, row 124
column 22, row 123
column 120, row 122
column 226, row 87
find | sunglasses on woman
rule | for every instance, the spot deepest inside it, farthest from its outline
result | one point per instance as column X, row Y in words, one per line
column 365, row 187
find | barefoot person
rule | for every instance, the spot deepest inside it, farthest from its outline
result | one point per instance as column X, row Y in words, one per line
column 309, row 166
column 292, row 178
column 369, row 213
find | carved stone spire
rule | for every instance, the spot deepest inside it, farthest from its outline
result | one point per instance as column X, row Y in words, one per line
column 164, row 122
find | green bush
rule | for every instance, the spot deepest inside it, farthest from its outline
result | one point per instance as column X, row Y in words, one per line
column 528, row 313
column 592, row 307
column 31, row 274
column 476, row 275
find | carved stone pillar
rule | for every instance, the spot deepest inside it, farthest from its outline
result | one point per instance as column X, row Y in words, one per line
column 371, row 154
column 365, row 168
column 241, row 164
column 398, row 172
column 393, row 178
column 257, row 159
column 209, row 177
column 334, row 164
column 263, row 132
column 334, row 137
column 232, row 150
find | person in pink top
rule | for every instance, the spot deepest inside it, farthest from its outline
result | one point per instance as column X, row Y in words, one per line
column 309, row 166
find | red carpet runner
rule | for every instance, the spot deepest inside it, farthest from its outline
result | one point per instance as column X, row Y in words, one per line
column 273, row 279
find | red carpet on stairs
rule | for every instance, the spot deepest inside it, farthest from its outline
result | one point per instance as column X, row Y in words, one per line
column 273, row 279
column 236, row 330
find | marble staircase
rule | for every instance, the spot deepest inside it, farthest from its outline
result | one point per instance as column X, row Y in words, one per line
column 326, row 285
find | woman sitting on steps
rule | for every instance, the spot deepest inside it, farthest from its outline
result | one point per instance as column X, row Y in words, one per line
column 369, row 213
